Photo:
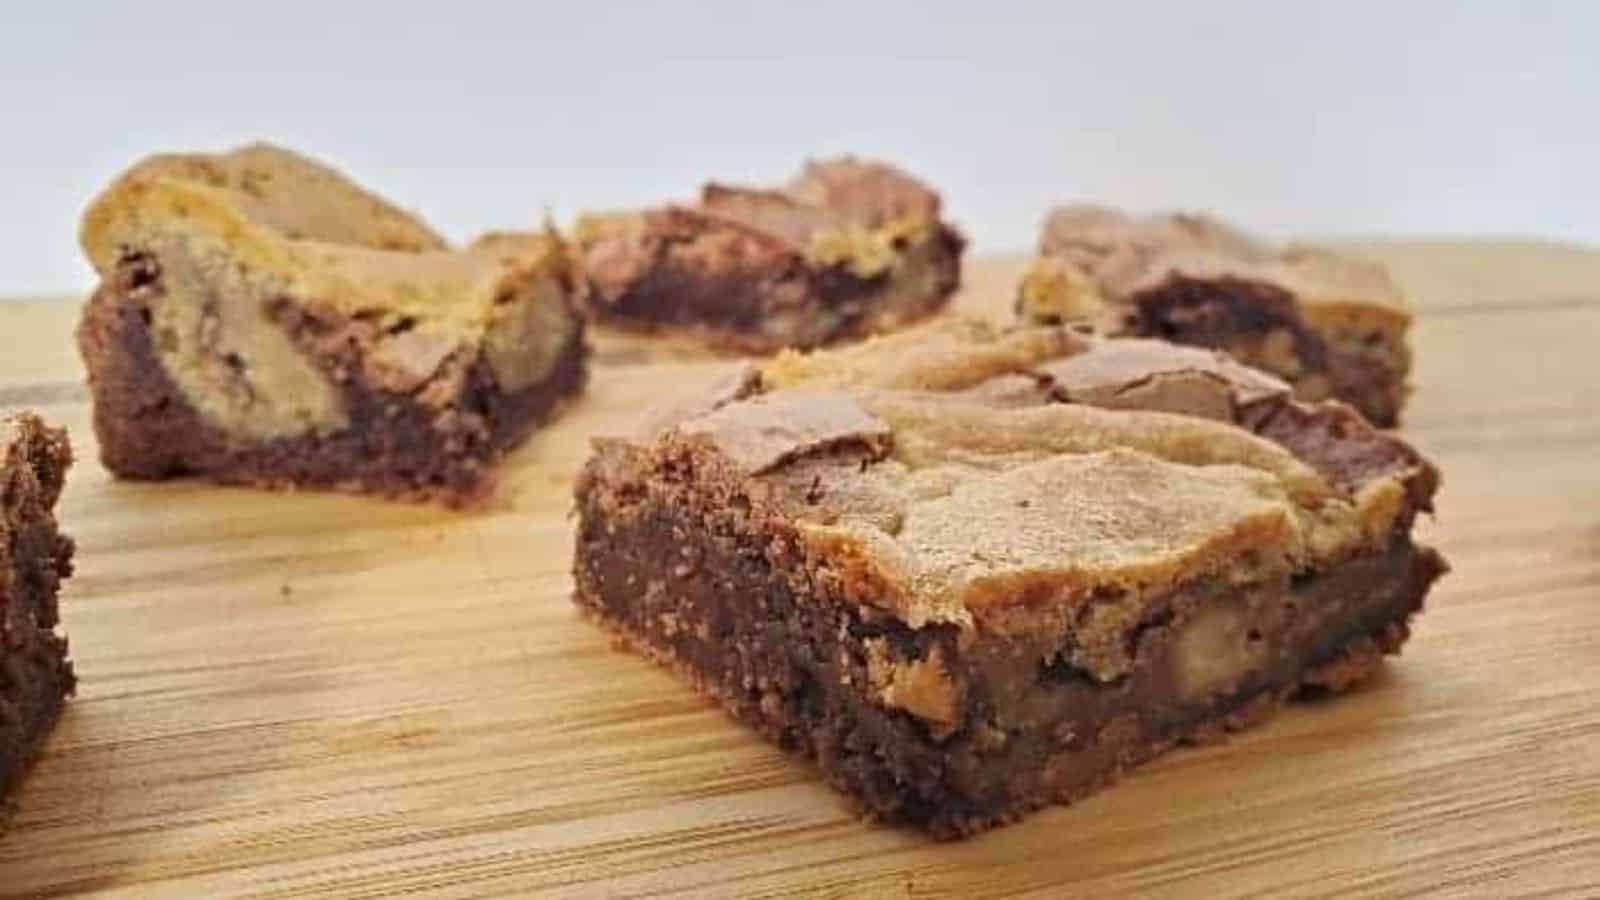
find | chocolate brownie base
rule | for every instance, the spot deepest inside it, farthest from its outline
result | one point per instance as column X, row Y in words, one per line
column 692, row 578
column 36, row 675
column 393, row 445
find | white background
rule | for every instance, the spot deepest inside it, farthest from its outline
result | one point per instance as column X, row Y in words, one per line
column 1441, row 117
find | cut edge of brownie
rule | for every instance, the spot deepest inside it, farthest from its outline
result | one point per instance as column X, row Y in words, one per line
column 36, row 671
column 392, row 444
column 680, row 557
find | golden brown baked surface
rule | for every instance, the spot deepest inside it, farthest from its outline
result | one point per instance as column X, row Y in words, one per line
column 294, row 195
column 283, row 218
column 1011, row 477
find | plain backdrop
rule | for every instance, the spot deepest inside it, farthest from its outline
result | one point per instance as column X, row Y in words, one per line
column 1290, row 117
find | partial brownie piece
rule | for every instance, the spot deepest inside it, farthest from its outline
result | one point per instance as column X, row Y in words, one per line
column 848, row 248
column 35, row 674
column 1330, row 325
column 971, row 573
column 262, row 320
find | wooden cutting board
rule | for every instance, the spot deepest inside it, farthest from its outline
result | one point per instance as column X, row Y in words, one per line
column 313, row 695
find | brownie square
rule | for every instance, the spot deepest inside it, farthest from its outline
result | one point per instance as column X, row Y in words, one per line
column 972, row 572
column 1330, row 325
column 848, row 248
column 35, row 557
column 263, row 320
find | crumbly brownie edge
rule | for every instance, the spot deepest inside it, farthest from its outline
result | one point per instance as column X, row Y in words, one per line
column 705, row 586
column 1245, row 318
column 38, row 674
column 392, row 447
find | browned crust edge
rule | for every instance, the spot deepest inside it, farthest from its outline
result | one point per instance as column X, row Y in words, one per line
column 39, row 675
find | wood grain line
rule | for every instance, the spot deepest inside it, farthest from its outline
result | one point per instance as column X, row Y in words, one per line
column 1530, row 306
column 48, row 393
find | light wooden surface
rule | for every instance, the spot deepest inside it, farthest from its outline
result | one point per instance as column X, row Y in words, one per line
column 311, row 695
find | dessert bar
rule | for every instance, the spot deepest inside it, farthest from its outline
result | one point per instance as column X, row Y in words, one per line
column 262, row 320
column 971, row 572
column 848, row 248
